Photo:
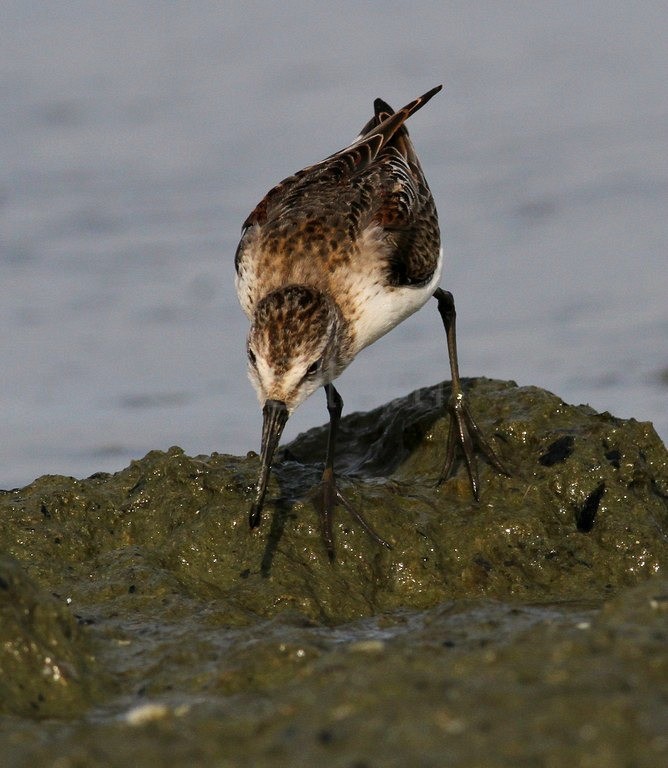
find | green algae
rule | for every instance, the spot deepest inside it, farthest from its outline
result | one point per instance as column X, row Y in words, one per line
column 531, row 625
column 46, row 665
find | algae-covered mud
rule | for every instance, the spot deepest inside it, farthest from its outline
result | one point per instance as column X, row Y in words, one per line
column 141, row 623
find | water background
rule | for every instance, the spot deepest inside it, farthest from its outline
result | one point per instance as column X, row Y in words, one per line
column 135, row 137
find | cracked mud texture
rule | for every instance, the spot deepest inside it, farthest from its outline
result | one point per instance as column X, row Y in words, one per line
column 141, row 623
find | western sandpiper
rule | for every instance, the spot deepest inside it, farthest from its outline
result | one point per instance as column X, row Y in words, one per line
column 331, row 259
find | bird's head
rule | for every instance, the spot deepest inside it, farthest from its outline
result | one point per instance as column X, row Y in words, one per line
column 293, row 345
column 297, row 343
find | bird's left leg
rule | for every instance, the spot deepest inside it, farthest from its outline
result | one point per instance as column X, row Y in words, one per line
column 463, row 428
column 329, row 493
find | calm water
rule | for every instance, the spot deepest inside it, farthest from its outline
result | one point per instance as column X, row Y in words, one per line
column 135, row 138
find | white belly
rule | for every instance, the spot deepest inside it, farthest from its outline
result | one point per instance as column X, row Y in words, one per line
column 380, row 308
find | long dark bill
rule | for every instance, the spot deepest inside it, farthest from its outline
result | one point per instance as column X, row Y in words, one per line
column 274, row 417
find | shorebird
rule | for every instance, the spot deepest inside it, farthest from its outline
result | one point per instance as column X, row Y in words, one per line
column 330, row 260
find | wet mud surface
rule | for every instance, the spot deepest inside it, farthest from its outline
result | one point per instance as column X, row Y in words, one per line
column 141, row 623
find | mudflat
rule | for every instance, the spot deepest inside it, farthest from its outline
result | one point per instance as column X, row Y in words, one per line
column 142, row 623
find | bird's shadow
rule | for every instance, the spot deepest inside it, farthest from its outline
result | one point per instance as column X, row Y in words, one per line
column 296, row 480
column 281, row 513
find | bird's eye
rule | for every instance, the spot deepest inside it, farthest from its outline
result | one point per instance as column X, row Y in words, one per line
column 314, row 368
column 251, row 356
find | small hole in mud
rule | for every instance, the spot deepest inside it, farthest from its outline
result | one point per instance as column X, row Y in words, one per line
column 614, row 457
column 557, row 451
column 586, row 514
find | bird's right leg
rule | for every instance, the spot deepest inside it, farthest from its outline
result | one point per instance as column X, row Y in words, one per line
column 329, row 494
